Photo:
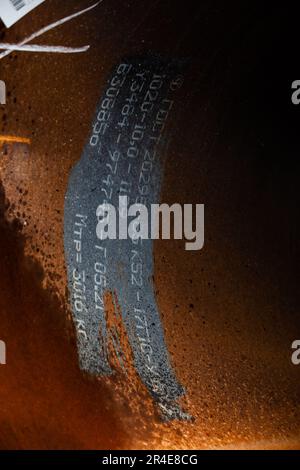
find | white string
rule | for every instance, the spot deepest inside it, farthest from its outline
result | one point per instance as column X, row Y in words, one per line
column 49, row 27
column 37, row 48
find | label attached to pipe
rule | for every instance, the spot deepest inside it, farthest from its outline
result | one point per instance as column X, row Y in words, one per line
column 12, row 11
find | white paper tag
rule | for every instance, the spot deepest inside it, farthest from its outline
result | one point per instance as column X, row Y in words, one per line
column 12, row 11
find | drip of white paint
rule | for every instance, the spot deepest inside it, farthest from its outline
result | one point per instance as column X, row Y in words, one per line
column 37, row 48
column 49, row 28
